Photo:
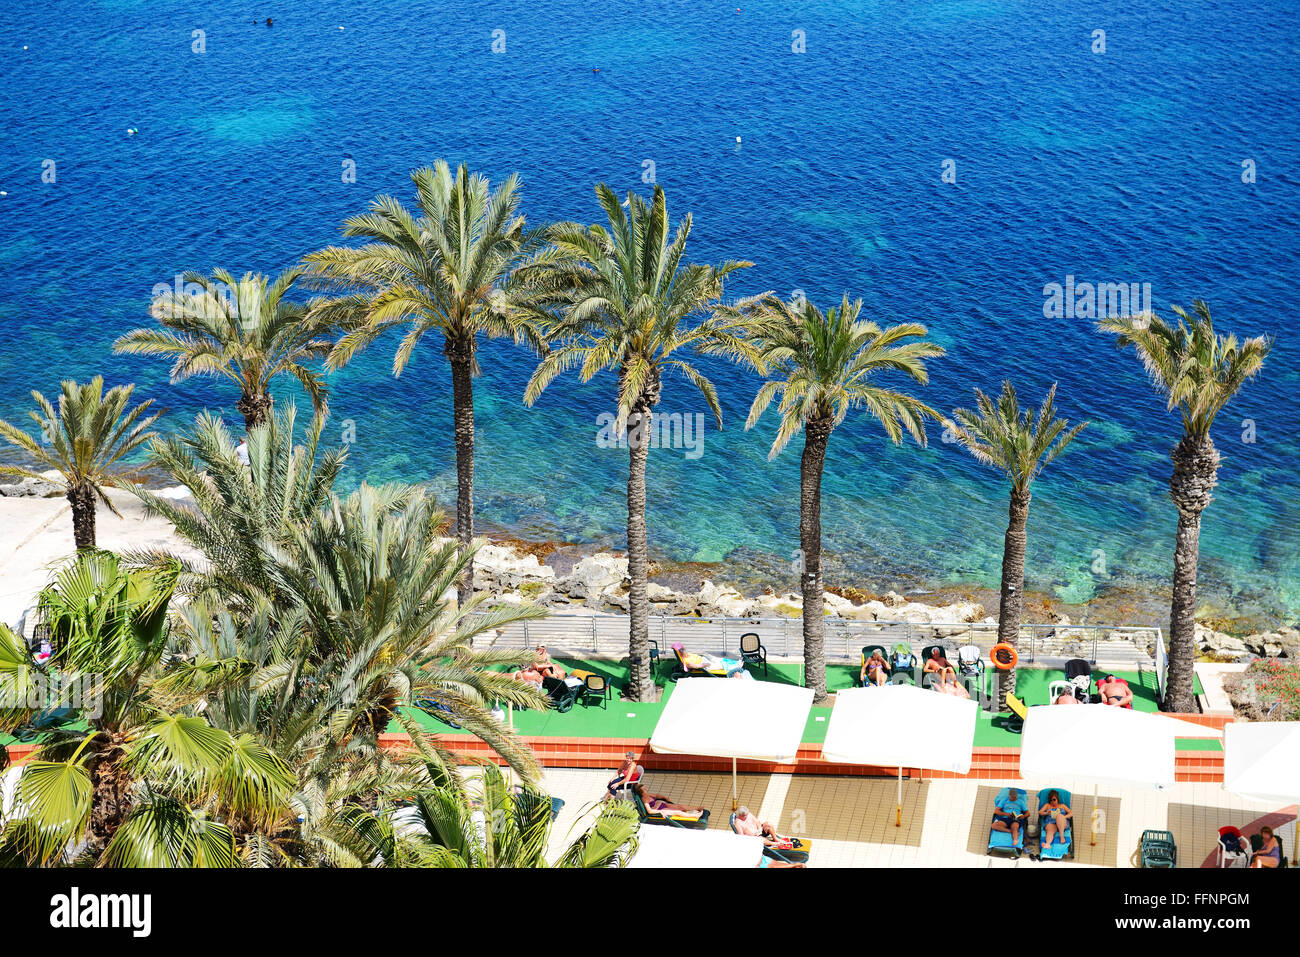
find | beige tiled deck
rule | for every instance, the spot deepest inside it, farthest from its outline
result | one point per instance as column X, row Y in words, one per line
column 945, row 822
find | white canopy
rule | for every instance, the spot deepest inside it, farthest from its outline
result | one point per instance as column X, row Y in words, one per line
column 1102, row 744
column 1262, row 760
column 663, row 846
column 901, row 726
column 733, row 718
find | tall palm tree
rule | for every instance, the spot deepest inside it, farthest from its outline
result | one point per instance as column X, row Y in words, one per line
column 621, row 300
column 83, row 441
column 824, row 365
column 1198, row 372
column 243, row 330
column 1019, row 444
column 137, row 784
column 441, row 270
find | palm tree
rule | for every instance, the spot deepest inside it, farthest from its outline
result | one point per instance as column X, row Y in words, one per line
column 440, row 270
column 1019, row 444
column 1198, row 372
column 356, row 587
column 620, row 299
column 138, row 784
column 83, row 441
column 242, row 330
column 483, row 822
column 824, row 365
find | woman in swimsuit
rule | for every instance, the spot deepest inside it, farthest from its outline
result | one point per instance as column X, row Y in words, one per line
column 1058, row 818
column 1269, row 853
column 660, row 804
column 875, row 668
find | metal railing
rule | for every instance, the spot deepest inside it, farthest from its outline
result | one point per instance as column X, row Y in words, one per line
column 606, row 635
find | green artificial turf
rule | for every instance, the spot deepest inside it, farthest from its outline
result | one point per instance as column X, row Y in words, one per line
column 627, row 719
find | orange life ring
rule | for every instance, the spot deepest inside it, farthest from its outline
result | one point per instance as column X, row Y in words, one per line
column 1004, row 656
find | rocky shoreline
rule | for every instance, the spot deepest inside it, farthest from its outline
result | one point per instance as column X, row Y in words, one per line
column 590, row 579
column 578, row 580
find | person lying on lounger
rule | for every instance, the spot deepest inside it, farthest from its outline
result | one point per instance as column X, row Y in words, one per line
column 749, row 825
column 1066, row 697
column 1057, row 817
column 544, row 666
column 712, row 663
column 530, row 675
column 937, row 664
column 875, row 669
column 662, row 804
column 1010, row 813
column 1115, row 691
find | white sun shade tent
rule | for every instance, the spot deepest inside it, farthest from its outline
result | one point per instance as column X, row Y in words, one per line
column 733, row 718
column 901, row 726
column 1102, row 744
column 686, row 847
column 1261, row 762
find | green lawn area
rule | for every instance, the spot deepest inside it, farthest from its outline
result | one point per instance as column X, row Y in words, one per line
column 626, row 719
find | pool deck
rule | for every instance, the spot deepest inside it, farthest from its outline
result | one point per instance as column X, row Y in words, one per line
column 851, row 821
column 591, row 736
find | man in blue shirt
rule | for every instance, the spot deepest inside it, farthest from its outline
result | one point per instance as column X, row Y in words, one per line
column 1010, row 812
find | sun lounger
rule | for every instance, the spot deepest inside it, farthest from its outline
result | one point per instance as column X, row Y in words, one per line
column 1000, row 842
column 697, row 821
column 1059, row 849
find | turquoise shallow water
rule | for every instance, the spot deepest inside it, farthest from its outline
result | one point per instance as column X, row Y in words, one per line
column 1115, row 167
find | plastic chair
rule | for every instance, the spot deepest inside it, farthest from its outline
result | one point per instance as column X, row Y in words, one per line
column 752, row 651
column 1157, row 849
column 594, row 686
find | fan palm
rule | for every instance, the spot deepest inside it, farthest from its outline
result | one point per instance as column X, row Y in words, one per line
column 243, row 330
column 1019, row 444
column 136, row 783
column 439, row 270
column 822, row 366
column 620, row 299
column 83, row 441
column 1197, row 372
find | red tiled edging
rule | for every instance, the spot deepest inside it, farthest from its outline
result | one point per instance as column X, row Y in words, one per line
column 986, row 763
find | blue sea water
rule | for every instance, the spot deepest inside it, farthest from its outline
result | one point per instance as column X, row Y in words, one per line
column 1122, row 166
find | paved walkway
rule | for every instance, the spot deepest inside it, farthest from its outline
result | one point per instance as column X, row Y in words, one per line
column 945, row 822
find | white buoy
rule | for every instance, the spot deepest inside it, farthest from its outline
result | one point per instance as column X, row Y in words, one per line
column 737, row 139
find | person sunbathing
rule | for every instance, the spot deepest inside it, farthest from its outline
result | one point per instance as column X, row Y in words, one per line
column 663, row 805
column 1066, row 697
column 530, row 675
column 544, row 666
column 1010, row 813
column 1270, row 851
column 875, row 669
column 937, row 664
column 751, row 826
column 708, row 662
column 1058, row 818
column 1115, row 691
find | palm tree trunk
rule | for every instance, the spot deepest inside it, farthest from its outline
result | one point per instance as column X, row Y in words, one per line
column 255, row 409
column 1012, row 601
column 110, row 793
column 82, row 499
column 461, row 356
column 817, row 433
column 1196, row 468
column 641, row 683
